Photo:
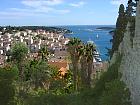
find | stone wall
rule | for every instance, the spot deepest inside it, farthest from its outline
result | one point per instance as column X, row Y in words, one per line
column 130, row 65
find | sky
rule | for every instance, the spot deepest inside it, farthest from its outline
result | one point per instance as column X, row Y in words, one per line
column 59, row 12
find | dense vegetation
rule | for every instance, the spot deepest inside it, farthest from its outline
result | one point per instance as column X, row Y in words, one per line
column 35, row 82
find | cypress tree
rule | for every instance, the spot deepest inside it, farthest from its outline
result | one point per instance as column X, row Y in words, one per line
column 120, row 29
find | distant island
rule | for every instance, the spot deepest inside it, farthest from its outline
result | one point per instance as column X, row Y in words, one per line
column 105, row 28
column 34, row 28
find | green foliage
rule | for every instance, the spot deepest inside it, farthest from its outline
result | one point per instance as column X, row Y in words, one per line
column 81, row 54
column 62, row 86
column 73, row 49
column 115, row 93
column 120, row 29
column 9, row 29
column 122, row 20
column 18, row 55
column 130, row 17
column 132, row 29
column 109, row 89
column 7, row 87
column 39, row 73
column 110, row 85
column 19, row 52
column 129, row 10
column 47, row 99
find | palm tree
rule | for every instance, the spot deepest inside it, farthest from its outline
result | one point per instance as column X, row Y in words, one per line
column 83, row 63
column 86, row 61
column 41, row 74
column 90, row 55
column 73, row 47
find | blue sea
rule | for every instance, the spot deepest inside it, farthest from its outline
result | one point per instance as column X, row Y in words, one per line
column 90, row 32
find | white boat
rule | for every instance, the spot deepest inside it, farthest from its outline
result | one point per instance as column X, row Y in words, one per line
column 97, row 36
column 94, row 60
column 90, row 41
column 98, row 59
column 96, row 52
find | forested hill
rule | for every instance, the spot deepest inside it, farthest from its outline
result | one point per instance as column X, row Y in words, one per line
column 34, row 28
column 106, row 28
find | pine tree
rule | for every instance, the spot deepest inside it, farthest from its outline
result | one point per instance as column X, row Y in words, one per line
column 130, row 16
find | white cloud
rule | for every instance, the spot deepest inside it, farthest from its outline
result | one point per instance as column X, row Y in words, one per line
column 118, row 2
column 39, row 11
column 62, row 11
column 41, row 5
column 81, row 3
column 14, row 14
column 44, row 6
column 34, row 8
column 38, row 3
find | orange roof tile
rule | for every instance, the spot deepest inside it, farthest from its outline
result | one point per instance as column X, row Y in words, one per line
column 59, row 65
column 63, row 71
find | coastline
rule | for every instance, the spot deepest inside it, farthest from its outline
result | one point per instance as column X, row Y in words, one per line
column 102, row 42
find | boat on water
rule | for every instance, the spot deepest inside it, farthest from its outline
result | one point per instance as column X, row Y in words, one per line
column 95, row 52
column 97, row 36
column 94, row 60
column 90, row 41
column 98, row 59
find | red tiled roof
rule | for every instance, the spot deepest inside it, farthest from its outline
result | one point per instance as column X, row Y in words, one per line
column 62, row 66
column 59, row 65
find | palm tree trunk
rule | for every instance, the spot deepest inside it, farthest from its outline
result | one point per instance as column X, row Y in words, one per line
column 83, row 72
column 90, row 68
column 75, row 69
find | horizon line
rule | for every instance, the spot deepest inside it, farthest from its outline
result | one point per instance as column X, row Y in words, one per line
column 59, row 25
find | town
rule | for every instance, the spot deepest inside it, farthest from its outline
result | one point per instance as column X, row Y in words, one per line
column 35, row 39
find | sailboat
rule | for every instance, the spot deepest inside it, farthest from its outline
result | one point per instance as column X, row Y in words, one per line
column 97, row 36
